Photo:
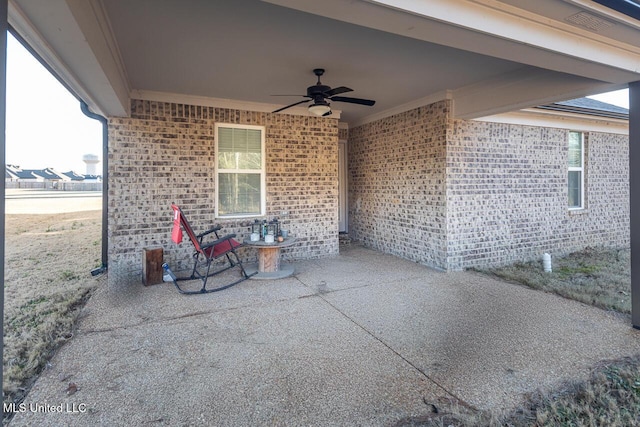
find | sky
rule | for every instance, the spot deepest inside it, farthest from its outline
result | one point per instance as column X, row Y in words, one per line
column 619, row 98
column 45, row 127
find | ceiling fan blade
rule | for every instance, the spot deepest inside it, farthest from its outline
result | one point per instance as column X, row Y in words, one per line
column 360, row 101
column 291, row 105
column 338, row 90
column 328, row 113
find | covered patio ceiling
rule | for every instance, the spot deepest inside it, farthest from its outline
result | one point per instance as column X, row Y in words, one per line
column 488, row 56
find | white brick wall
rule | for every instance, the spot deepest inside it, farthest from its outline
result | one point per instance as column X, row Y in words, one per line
column 397, row 187
column 454, row 194
column 507, row 193
column 446, row 193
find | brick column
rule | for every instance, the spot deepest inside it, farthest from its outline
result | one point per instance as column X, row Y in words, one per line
column 634, row 198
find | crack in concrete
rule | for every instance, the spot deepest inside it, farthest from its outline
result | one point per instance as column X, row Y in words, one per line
column 368, row 332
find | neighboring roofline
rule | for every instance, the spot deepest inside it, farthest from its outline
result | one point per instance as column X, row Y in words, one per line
column 628, row 8
column 562, row 120
column 585, row 111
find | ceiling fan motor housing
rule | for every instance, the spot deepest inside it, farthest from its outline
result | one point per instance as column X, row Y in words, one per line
column 315, row 90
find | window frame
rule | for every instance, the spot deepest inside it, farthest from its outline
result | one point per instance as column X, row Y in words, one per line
column 580, row 169
column 261, row 171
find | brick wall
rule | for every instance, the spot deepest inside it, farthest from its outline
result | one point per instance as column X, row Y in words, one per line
column 454, row 194
column 507, row 193
column 165, row 153
column 397, row 184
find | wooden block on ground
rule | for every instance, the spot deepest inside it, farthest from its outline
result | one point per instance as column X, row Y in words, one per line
column 152, row 266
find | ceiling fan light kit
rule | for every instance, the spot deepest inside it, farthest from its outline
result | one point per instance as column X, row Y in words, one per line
column 320, row 93
column 320, row 109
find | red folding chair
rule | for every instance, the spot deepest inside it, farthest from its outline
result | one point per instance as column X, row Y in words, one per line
column 205, row 254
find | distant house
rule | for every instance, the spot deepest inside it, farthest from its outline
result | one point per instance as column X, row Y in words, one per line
column 92, row 178
column 49, row 174
column 15, row 176
column 10, row 173
column 15, row 173
column 73, row 176
column 34, row 175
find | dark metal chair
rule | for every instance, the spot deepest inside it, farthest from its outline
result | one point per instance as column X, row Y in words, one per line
column 205, row 254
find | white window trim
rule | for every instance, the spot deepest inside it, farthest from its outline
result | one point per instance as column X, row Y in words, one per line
column 263, row 171
column 581, row 170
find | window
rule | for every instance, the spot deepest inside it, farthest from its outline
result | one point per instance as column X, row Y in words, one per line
column 576, row 170
column 240, row 183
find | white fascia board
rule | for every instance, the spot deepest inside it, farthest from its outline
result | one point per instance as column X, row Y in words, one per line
column 560, row 120
column 68, row 55
column 517, row 25
column 233, row 104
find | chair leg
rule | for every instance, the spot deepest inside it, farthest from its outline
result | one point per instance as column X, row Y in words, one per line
column 229, row 258
column 196, row 274
column 244, row 272
column 195, row 266
column 175, row 280
column 205, row 277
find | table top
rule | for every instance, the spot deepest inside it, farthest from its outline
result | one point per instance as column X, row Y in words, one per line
column 262, row 244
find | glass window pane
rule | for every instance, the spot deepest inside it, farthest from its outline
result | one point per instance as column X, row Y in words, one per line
column 575, row 189
column 575, row 150
column 238, row 194
column 239, row 148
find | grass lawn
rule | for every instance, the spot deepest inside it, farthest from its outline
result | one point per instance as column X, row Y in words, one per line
column 595, row 276
column 48, row 259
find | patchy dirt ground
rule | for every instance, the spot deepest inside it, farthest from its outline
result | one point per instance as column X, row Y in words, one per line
column 48, row 259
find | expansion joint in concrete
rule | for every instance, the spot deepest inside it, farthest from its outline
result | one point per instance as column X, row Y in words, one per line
column 321, row 295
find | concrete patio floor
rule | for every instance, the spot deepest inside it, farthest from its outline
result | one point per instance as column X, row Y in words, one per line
column 360, row 339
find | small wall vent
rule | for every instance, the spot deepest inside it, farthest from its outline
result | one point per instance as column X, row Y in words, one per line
column 589, row 21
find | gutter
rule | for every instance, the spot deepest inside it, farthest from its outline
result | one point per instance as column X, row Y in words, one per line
column 105, row 185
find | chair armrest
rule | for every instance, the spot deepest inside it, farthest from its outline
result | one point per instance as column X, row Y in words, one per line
column 213, row 230
column 218, row 241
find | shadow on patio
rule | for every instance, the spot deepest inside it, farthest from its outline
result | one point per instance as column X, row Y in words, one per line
column 363, row 338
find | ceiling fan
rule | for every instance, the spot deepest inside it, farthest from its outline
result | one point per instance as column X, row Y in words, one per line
column 320, row 93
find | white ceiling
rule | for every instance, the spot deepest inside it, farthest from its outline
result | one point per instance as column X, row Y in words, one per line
column 248, row 50
column 484, row 54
